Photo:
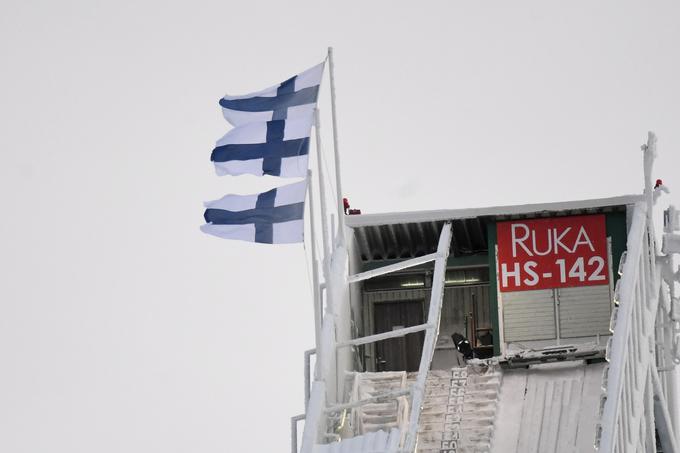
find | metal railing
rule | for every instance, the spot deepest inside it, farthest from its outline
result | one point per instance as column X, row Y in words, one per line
column 634, row 403
column 319, row 405
column 294, row 432
column 629, row 350
column 308, row 374
column 627, row 419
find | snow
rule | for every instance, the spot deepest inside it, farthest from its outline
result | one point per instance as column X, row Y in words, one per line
column 548, row 407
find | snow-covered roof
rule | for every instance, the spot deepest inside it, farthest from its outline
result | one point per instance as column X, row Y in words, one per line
column 354, row 221
column 551, row 407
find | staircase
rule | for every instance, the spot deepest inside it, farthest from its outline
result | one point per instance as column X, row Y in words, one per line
column 459, row 410
column 381, row 415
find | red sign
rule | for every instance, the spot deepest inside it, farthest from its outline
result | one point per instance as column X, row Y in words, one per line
column 552, row 253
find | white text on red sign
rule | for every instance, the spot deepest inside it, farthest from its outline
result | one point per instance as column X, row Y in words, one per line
column 552, row 253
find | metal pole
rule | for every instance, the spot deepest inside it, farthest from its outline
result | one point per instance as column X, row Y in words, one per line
column 649, row 155
column 308, row 375
column 338, row 183
column 332, row 223
column 315, row 263
column 322, row 190
column 293, row 432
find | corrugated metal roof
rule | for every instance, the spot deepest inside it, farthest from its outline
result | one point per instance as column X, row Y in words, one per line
column 409, row 240
column 412, row 234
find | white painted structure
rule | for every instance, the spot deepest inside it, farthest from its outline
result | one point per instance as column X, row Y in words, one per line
column 575, row 404
column 560, row 380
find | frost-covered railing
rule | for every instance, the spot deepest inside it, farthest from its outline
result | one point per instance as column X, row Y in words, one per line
column 634, row 402
column 631, row 348
column 323, row 392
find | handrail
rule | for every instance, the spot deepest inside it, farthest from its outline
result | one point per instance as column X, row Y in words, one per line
column 434, row 314
column 384, row 336
column 619, row 343
column 393, row 267
column 632, row 370
column 317, row 405
column 622, row 332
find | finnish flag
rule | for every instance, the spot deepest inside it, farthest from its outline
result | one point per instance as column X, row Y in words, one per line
column 272, row 217
column 293, row 98
column 277, row 148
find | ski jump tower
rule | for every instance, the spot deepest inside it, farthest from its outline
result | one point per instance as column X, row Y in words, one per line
column 570, row 316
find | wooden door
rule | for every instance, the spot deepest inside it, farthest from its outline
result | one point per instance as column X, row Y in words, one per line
column 398, row 354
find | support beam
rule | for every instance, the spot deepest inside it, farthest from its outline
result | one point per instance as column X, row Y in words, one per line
column 385, row 335
column 393, row 267
column 438, row 280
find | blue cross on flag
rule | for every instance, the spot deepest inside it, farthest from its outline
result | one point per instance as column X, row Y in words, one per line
column 270, row 137
column 296, row 97
column 277, row 148
column 272, row 129
column 272, row 217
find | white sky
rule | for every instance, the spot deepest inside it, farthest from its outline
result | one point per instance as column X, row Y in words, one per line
column 124, row 329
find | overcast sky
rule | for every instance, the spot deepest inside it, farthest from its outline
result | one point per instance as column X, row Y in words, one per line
column 125, row 329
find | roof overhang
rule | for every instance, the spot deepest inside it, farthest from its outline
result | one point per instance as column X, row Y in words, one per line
column 403, row 235
column 361, row 220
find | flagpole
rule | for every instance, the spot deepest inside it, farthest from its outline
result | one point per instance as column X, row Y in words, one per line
column 315, row 264
column 338, row 184
column 322, row 187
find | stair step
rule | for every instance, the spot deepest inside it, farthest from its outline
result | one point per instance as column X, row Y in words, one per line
column 487, row 412
column 378, row 419
column 371, row 427
column 481, row 423
column 483, row 386
column 474, row 405
column 379, row 407
column 459, row 411
column 479, row 399
column 384, row 415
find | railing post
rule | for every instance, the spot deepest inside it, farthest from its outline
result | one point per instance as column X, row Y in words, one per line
column 293, row 432
column 308, row 378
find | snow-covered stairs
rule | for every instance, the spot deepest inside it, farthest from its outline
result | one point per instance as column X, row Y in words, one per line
column 459, row 410
column 379, row 415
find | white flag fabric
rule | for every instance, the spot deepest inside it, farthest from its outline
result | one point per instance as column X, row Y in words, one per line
column 296, row 97
column 277, row 148
column 272, row 217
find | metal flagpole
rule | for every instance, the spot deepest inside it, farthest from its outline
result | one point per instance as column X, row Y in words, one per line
column 315, row 264
column 341, row 211
column 322, row 187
